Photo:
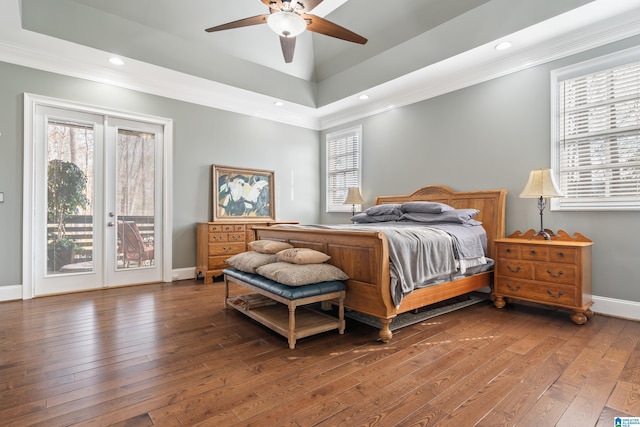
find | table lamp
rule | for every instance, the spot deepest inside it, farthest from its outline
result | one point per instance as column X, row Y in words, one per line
column 353, row 198
column 541, row 185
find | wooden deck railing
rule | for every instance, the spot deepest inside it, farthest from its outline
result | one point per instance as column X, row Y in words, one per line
column 80, row 229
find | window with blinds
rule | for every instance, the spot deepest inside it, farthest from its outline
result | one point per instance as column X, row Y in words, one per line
column 343, row 166
column 597, row 149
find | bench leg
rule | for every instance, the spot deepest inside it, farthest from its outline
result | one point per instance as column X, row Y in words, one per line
column 226, row 291
column 292, row 325
column 341, row 313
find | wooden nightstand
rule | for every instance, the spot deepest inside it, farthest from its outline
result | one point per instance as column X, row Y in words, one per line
column 554, row 272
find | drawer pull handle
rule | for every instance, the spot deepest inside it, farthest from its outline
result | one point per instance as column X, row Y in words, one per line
column 560, row 273
column 226, row 249
column 560, row 255
column 532, row 252
column 513, row 270
column 513, row 288
column 558, row 294
column 508, row 251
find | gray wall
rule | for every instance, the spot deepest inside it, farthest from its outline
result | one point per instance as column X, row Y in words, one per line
column 490, row 136
column 483, row 137
column 202, row 136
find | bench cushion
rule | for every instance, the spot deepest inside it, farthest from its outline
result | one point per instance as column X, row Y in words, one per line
column 288, row 292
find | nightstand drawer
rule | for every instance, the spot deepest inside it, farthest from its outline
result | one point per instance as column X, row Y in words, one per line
column 508, row 251
column 226, row 248
column 538, row 292
column 515, row 268
column 556, row 273
column 564, row 255
column 535, row 253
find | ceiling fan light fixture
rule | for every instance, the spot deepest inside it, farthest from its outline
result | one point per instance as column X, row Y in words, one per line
column 286, row 24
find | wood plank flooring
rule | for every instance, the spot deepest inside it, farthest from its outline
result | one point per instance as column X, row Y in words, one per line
column 171, row 355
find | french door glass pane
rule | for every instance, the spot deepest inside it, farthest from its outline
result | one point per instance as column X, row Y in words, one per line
column 135, row 189
column 70, row 174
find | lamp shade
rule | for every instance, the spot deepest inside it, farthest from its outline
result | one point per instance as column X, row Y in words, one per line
column 286, row 24
column 353, row 197
column 541, row 184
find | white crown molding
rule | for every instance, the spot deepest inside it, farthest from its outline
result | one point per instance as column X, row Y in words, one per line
column 567, row 34
column 479, row 65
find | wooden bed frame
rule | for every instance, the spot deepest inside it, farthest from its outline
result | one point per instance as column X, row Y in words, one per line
column 364, row 255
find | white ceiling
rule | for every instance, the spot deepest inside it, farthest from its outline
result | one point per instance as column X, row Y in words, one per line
column 417, row 49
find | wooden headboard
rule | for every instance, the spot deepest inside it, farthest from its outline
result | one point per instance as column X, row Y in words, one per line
column 490, row 203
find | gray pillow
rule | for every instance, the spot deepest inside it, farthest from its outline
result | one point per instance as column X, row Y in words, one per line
column 426, row 207
column 364, row 218
column 249, row 261
column 458, row 216
column 385, row 209
column 301, row 274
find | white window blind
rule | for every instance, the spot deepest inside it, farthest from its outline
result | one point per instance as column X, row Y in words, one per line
column 343, row 166
column 598, row 140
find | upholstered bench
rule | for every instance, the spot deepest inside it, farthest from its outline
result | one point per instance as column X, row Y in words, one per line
column 263, row 306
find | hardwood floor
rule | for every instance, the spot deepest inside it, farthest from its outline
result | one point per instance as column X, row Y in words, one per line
column 171, row 355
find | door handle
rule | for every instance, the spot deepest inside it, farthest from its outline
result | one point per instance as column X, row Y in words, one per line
column 110, row 223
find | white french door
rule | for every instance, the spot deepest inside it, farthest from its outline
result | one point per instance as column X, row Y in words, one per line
column 98, row 200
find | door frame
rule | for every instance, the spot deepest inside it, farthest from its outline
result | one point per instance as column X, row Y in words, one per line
column 29, row 190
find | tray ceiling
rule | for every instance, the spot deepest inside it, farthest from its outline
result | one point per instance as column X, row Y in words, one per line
column 409, row 41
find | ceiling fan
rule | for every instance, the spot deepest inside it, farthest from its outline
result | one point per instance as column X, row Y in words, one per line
column 288, row 19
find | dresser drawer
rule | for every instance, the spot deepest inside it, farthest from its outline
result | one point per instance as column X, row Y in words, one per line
column 236, row 237
column 228, row 248
column 556, row 273
column 218, row 237
column 536, row 291
column 225, row 228
column 218, row 262
column 515, row 268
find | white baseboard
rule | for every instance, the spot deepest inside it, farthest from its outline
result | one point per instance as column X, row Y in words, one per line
column 183, row 273
column 616, row 307
column 10, row 293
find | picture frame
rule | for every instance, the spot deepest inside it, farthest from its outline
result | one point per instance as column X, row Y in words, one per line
column 243, row 194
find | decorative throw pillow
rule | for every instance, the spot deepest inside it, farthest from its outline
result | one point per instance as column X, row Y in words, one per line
column 249, row 261
column 269, row 246
column 385, row 209
column 301, row 274
column 302, row 256
column 426, row 207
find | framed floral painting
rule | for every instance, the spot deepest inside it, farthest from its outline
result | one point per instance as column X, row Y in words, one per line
column 243, row 194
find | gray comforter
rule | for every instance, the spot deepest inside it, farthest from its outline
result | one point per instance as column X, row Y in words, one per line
column 421, row 254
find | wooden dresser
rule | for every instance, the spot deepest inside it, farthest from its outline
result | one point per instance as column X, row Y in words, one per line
column 218, row 241
column 555, row 272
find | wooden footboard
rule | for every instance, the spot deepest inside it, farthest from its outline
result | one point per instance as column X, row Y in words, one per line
column 364, row 255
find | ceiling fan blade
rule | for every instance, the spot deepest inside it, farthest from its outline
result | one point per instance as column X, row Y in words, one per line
column 273, row 4
column 246, row 22
column 288, row 46
column 328, row 28
column 307, row 6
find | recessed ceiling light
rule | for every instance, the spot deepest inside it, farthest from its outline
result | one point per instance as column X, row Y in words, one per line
column 278, row 103
column 363, row 97
column 116, row 61
column 503, row 46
